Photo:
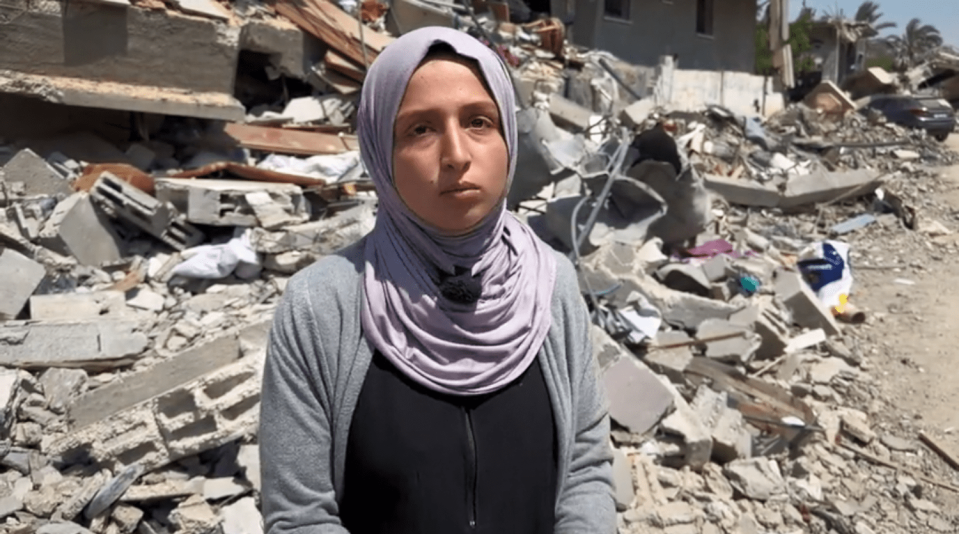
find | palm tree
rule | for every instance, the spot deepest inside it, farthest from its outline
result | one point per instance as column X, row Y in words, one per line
column 869, row 12
column 916, row 40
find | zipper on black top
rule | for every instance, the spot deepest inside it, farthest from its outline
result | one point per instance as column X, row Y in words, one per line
column 471, row 470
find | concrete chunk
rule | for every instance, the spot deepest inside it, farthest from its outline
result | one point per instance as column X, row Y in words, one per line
column 77, row 228
column 76, row 306
column 636, row 113
column 242, row 517
column 61, row 386
column 215, row 489
column 568, row 113
column 731, row 440
column 623, row 480
column 37, row 176
column 669, row 360
column 194, row 516
column 637, row 399
column 807, row 310
column 159, row 219
column 235, row 202
column 727, row 341
column 145, row 384
column 97, row 344
column 19, row 278
column 764, row 318
column 756, row 478
column 684, row 424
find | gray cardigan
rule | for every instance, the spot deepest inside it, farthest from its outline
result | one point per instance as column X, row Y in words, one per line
column 316, row 363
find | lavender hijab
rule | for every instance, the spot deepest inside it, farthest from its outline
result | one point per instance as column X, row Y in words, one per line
column 449, row 347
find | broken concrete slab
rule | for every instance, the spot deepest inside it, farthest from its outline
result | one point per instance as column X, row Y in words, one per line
column 10, row 400
column 37, row 176
column 824, row 186
column 77, row 228
column 59, row 527
column 215, row 489
column 731, row 440
column 743, row 192
column 112, row 490
column 161, row 220
column 684, row 425
column 685, row 277
column 806, row 308
column 249, row 460
column 152, row 381
column 727, row 341
column 168, row 489
column 94, row 344
column 144, row 299
column 20, row 277
column 756, row 478
column 567, row 113
column 235, row 202
column 321, row 237
column 830, row 99
column 766, row 320
column 77, row 306
column 636, row 113
column 637, row 399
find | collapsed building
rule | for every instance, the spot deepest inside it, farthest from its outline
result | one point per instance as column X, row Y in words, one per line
column 170, row 166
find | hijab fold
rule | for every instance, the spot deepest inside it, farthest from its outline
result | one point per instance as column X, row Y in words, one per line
column 449, row 347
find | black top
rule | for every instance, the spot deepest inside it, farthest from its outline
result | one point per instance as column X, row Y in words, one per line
column 421, row 462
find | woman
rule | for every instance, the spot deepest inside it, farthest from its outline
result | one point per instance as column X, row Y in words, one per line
column 436, row 377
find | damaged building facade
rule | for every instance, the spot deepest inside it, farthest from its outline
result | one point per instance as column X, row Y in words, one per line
column 170, row 166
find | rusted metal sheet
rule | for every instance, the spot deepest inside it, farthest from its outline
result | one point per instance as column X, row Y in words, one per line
column 250, row 173
column 123, row 171
column 335, row 27
column 286, row 141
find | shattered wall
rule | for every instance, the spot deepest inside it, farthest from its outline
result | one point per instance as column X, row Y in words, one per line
column 658, row 28
column 126, row 45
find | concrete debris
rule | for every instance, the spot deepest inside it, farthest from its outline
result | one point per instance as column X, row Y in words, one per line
column 21, row 276
column 139, row 272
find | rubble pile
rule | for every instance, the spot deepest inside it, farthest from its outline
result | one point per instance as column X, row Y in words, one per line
column 716, row 251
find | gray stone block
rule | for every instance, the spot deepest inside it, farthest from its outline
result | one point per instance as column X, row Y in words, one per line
column 19, row 278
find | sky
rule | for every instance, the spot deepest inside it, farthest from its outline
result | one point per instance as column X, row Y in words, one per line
column 943, row 14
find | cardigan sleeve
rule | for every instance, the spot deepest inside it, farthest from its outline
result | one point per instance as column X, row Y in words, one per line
column 295, row 436
column 586, row 503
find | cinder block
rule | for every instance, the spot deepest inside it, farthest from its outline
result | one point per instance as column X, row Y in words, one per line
column 235, row 202
column 199, row 415
column 737, row 349
column 155, row 380
column 19, row 278
column 76, row 228
column 670, row 361
column 807, row 310
column 161, row 220
column 765, row 319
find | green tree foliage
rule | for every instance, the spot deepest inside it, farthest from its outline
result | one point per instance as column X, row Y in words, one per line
column 916, row 40
column 799, row 41
column 869, row 12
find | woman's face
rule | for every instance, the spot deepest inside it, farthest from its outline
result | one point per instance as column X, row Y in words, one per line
column 449, row 156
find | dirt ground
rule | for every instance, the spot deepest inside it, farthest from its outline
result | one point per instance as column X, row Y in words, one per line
column 919, row 324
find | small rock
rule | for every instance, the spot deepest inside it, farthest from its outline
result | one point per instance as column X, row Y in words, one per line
column 922, row 505
column 898, row 444
column 242, row 517
column 623, row 480
column 9, row 505
column 862, row 528
column 147, row 300
column 194, row 516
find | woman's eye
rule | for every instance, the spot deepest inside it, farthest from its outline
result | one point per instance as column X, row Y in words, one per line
column 419, row 130
column 481, row 122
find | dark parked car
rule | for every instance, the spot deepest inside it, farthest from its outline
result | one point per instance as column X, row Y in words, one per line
column 934, row 115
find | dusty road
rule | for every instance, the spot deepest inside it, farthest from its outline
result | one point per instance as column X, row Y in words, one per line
column 918, row 371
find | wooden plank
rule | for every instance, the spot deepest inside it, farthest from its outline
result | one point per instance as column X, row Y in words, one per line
column 342, row 84
column 940, row 449
column 335, row 27
column 344, row 66
column 286, row 141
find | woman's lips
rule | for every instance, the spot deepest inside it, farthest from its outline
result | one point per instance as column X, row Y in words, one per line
column 462, row 192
